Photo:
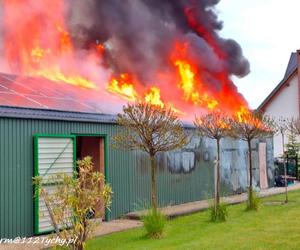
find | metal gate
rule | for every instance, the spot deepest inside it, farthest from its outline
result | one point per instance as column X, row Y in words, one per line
column 291, row 166
column 53, row 154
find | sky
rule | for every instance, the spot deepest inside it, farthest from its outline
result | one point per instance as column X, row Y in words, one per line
column 268, row 31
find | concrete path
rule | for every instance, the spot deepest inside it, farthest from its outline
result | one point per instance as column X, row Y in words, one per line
column 196, row 206
column 171, row 211
column 116, row 226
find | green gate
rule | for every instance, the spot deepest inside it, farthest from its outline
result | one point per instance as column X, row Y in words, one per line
column 53, row 154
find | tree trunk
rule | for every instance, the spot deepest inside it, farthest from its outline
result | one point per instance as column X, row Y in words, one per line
column 218, row 175
column 250, row 174
column 153, row 184
column 284, row 167
column 78, row 246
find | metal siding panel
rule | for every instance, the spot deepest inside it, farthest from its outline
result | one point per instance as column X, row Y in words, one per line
column 10, row 179
column 129, row 190
column 127, row 172
column 2, row 177
column 17, row 174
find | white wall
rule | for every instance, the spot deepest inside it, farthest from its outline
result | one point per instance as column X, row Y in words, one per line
column 284, row 104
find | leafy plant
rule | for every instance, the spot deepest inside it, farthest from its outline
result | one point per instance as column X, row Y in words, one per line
column 219, row 212
column 154, row 223
column 253, row 201
column 74, row 200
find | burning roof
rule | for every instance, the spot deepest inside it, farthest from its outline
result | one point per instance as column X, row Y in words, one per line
column 41, row 93
column 93, row 56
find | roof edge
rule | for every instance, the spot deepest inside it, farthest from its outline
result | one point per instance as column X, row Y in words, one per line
column 57, row 115
column 275, row 90
column 31, row 113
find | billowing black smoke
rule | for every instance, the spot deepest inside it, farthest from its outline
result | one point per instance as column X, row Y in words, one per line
column 140, row 35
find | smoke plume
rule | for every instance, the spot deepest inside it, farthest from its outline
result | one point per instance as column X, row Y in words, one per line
column 140, row 34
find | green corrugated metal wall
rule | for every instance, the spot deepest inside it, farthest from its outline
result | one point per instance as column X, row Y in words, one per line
column 130, row 181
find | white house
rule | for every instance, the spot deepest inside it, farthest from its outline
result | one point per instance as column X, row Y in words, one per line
column 283, row 101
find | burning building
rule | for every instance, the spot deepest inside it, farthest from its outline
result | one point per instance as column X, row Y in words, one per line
column 69, row 66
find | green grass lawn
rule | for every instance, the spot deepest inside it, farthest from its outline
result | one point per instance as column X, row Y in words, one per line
column 274, row 226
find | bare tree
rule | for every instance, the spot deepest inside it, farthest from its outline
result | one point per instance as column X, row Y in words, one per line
column 281, row 125
column 294, row 125
column 152, row 129
column 214, row 125
column 292, row 146
column 249, row 126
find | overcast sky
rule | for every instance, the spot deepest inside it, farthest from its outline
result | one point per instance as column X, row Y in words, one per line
column 268, row 31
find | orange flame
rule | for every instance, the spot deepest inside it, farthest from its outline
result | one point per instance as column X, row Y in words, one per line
column 153, row 97
column 189, row 82
column 38, row 44
column 123, row 87
column 188, row 85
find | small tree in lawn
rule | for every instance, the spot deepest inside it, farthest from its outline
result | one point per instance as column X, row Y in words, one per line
column 152, row 129
column 214, row 125
column 249, row 126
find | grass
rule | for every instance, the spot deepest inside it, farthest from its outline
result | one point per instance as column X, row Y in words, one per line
column 273, row 226
column 154, row 223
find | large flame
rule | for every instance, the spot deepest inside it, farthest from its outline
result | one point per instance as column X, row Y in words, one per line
column 187, row 86
column 38, row 43
column 124, row 87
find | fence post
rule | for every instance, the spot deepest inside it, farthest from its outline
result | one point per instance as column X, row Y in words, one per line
column 287, row 164
column 297, row 170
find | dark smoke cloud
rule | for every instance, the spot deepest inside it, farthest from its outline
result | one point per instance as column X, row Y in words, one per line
column 140, row 34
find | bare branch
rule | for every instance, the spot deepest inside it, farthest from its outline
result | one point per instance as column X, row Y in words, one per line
column 214, row 125
column 294, row 125
column 251, row 125
column 149, row 128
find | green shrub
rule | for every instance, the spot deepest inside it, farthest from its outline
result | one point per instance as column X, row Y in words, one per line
column 253, row 200
column 73, row 201
column 154, row 223
column 219, row 213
